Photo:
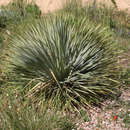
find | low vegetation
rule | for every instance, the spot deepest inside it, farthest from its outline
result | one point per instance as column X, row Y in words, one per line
column 16, row 115
column 65, row 63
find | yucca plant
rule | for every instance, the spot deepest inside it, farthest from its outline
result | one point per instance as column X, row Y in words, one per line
column 64, row 63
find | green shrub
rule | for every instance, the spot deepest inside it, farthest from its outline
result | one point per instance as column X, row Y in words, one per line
column 64, row 63
column 33, row 10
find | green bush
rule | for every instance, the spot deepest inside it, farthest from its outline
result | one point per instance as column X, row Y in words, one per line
column 64, row 63
column 33, row 10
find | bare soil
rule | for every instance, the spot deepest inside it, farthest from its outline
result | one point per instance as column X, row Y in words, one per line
column 114, row 115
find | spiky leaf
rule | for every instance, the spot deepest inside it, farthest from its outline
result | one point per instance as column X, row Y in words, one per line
column 69, row 62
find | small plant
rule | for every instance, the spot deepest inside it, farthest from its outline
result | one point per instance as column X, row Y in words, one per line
column 126, row 118
column 64, row 63
column 25, row 8
column 18, row 6
column 7, row 17
column 33, row 10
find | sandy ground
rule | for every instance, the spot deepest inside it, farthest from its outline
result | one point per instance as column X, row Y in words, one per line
column 52, row 5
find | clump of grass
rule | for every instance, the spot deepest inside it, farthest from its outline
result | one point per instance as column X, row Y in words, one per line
column 16, row 115
column 33, row 10
column 65, row 64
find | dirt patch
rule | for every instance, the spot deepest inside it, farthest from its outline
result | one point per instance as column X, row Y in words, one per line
column 52, row 5
column 113, row 115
